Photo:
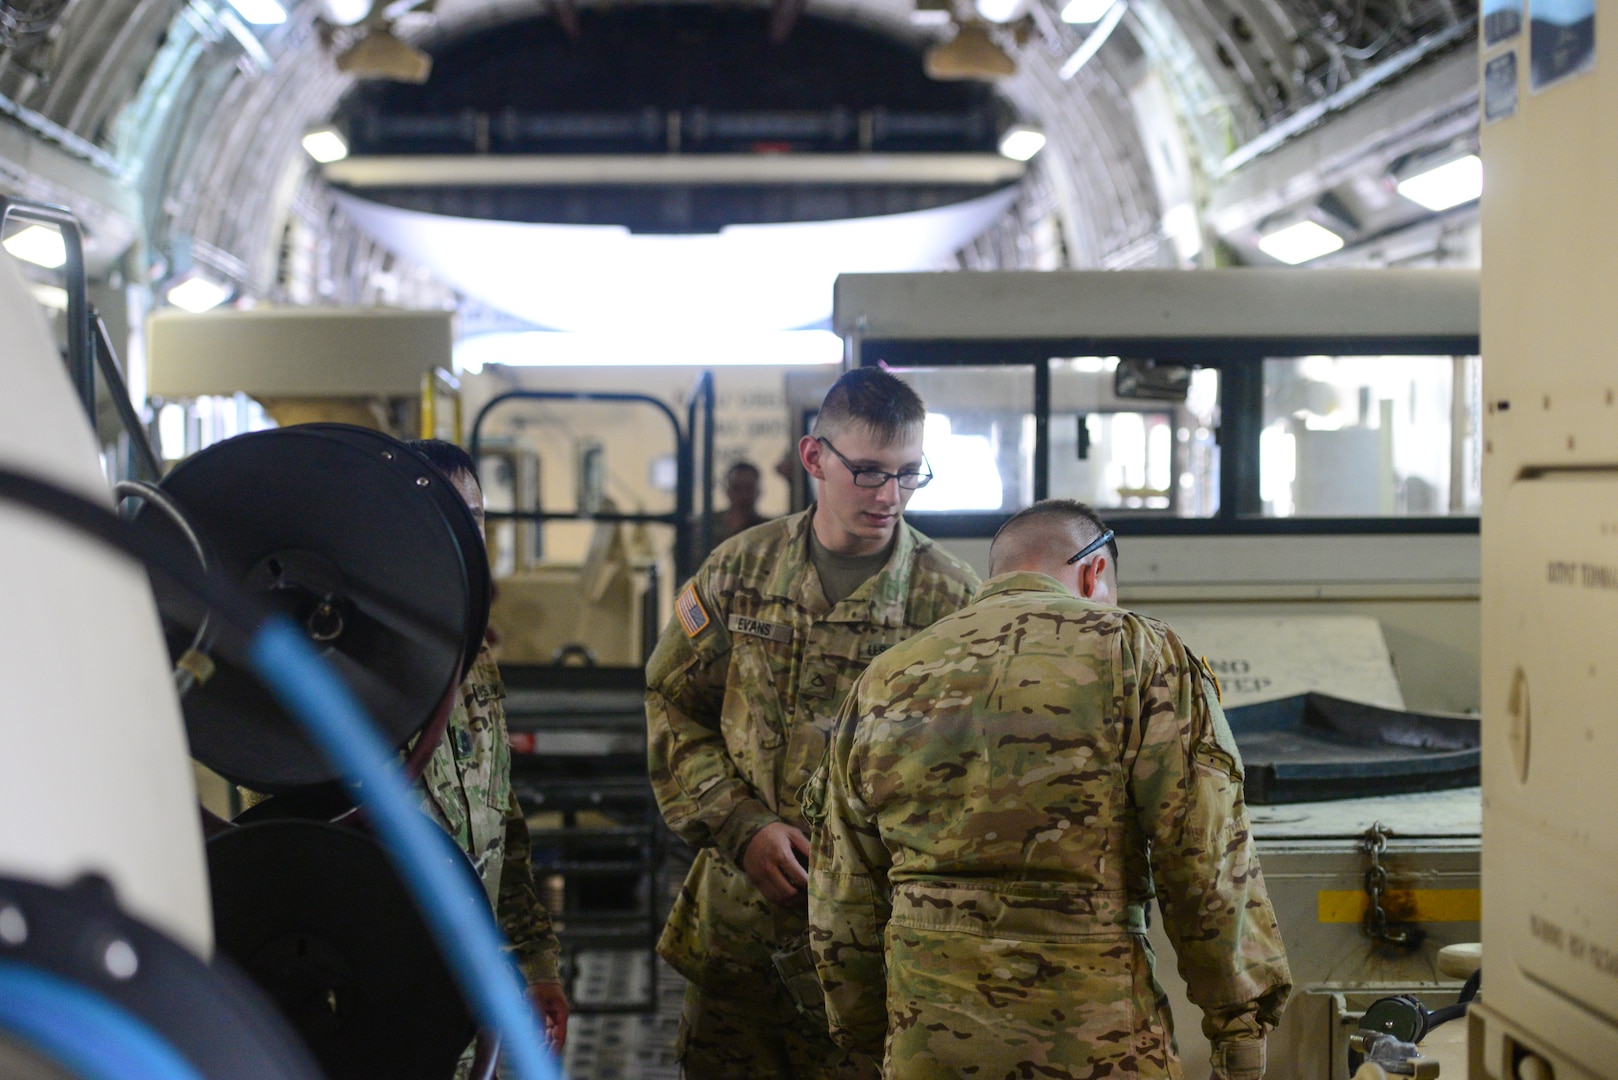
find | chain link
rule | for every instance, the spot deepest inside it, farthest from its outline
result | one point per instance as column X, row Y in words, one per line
column 1376, row 885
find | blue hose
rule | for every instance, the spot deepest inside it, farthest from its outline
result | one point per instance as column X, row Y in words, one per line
column 459, row 917
column 73, row 1027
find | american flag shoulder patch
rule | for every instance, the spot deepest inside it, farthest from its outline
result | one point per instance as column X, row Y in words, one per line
column 688, row 608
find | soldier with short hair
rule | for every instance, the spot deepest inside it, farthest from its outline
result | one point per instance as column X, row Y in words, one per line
column 1003, row 795
column 768, row 637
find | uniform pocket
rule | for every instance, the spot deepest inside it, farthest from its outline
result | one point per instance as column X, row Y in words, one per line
column 754, row 716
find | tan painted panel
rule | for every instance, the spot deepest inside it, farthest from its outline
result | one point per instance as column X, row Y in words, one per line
column 1157, row 304
column 1265, row 657
column 296, row 352
column 1550, row 390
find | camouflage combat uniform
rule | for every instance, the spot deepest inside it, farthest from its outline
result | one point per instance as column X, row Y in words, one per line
column 467, row 785
column 1001, row 794
column 742, row 691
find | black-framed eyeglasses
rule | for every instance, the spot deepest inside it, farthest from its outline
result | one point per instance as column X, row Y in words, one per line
column 874, row 478
column 1093, row 546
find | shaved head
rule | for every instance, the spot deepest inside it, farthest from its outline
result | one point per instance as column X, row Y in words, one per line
column 1043, row 537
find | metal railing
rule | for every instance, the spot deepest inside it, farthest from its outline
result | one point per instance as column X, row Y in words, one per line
column 682, row 519
column 89, row 346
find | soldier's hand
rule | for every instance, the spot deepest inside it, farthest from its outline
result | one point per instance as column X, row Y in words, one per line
column 550, row 1001
column 771, row 862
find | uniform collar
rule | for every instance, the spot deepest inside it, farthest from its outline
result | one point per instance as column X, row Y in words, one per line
column 1019, row 581
column 881, row 600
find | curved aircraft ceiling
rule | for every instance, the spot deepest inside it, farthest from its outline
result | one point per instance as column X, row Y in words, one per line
column 173, row 127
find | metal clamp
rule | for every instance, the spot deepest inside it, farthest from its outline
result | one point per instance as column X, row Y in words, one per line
column 1396, row 1057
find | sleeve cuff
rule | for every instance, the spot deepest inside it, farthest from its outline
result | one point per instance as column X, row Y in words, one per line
column 1242, row 1059
column 741, row 826
column 540, row 965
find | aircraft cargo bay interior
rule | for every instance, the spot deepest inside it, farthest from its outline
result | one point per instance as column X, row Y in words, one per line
column 860, row 539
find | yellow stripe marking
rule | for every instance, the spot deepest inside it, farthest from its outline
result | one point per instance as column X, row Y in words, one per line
column 1403, row 905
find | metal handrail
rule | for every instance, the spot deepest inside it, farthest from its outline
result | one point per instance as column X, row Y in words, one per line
column 80, row 365
column 89, row 346
column 702, row 393
column 681, row 518
column 107, row 360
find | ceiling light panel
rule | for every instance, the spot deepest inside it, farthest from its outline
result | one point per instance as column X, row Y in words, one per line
column 1000, row 11
column 39, row 245
column 1299, row 243
column 198, row 294
column 1021, row 142
column 1450, row 184
column 1085, row 12
column 261, row 12
column 325, row 145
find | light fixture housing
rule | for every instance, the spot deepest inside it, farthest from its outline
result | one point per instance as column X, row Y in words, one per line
column 970, row 54
column 1085, row 12
column 1443, row 186
column 261, row 12
column 40, row 245
column 937, row 13
column 325, row 144
column 382, row 54
column 1021, row 142
column 196, row 294
column 1299, row 242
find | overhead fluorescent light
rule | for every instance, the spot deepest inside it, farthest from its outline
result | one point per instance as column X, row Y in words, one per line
column 1183, row 230
column 325, row 145
column 999, row 11
column 260, row 12
column 347, row 12
column 1085, row 12
column 40, row 245
column 1110, row 19
column 1450, row 184
column 1300, row 242
column 197, row 294
column 1021, row 142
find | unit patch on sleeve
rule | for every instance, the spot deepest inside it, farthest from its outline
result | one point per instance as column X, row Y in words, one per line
column 741, row 624
column 692, row 615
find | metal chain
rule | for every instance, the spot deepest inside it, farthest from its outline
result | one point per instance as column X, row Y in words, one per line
column 1376, row 885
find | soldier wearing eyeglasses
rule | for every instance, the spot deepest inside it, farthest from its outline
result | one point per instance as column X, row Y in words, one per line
column 1004, row 794
column 767, row 638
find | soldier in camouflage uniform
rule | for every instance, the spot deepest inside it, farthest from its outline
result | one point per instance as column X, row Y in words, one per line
column 1001, row 795
column 467, row 790
column 742, row 689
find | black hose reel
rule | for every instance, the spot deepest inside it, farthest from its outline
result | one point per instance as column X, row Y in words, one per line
column 371, row 550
